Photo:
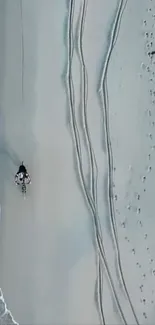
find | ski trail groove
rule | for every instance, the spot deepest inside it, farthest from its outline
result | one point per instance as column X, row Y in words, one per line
column 103, row 93
column 93, row 174
column 84, row 81
column 119, row 22
column 22, row 47
column 70, row 94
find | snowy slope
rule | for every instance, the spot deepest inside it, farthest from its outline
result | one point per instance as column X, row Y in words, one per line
column 76, row 86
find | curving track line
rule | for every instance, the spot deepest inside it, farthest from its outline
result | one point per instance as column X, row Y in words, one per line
column 103, row 93
column 93, row 174
column 22, row 46
column 75, row 134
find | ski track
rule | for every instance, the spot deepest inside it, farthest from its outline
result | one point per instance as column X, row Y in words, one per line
column 75, row 134
column 91, row 198
column 103, row 93
column 6, row 317
column 93, row 174
column 22, row 48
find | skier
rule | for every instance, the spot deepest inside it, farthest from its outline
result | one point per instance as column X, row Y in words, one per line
column 22, row 176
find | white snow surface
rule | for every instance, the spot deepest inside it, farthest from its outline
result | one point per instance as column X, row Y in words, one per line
column 77, row 106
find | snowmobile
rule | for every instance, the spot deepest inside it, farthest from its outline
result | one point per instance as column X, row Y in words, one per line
column 22, row 178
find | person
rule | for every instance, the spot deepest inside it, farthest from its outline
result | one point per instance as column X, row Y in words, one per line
column 22, row 176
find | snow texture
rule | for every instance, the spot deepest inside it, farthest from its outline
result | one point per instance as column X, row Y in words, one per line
column 77, row 106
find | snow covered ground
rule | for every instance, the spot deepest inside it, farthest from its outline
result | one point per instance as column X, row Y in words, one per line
column 77, row 106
